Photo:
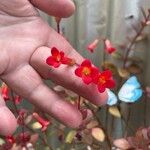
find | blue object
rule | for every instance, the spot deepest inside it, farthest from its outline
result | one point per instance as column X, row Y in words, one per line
column 130, row 92
column 112, row 99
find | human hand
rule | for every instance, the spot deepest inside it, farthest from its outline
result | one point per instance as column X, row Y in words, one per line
column 25, row 42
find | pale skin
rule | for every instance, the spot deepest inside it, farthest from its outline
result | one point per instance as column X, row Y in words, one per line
column 25, row 42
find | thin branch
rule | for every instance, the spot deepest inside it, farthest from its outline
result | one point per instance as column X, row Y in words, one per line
column 134, row 39
column 100, row 124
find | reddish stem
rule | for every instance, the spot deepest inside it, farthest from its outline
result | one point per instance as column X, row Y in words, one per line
column 58, row 28
column 134, row 40
column 79, row 103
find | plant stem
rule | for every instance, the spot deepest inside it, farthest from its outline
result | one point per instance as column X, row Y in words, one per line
column 40, row 137
column 128, row 119
column 58, row 28
column 145, row 110
column 79, row 103
column 100, row 124
column 134, row 40
column 14, row 104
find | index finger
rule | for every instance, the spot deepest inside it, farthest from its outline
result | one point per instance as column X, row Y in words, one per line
column 58, row 8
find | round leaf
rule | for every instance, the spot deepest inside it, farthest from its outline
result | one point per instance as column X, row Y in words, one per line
column 134, row 69
column 124, row 73
column 122, row 144
column 115, row 111
column 36, row 125
column 98, row 134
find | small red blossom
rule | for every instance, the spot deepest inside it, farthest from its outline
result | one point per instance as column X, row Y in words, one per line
column 44, row 123
column 5, row 92
column 17, row 99
column 58, row 58
column 104, row 80
column 86, row 71
column 109, row 47
column 93, row 45
column 23, row 138
column 10, row 139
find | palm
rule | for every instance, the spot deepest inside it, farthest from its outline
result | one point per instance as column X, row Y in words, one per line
column 24, row 36
column 24, row 42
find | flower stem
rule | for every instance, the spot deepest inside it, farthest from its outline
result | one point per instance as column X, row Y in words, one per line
column 100, row 124
column 134, row 40
column 79, row 103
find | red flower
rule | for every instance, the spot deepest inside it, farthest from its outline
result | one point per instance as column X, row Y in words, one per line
column 86, row 71
column 5, row 92
column 44, row 123
column 104, row 80
column 10, row 139
column 109, row 47
column 58, row 58
column 17, row 99
column 93, row 45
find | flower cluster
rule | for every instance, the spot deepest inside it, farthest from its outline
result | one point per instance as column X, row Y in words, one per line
column 109, row 48
column 91, row 74
column 87, row 71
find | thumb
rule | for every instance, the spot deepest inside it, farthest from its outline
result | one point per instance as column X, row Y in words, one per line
column 8, row 122
column 57, row 8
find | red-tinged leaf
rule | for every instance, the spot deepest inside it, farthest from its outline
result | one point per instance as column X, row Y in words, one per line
column 122, row 144
column 92, row 124
column 34, row 138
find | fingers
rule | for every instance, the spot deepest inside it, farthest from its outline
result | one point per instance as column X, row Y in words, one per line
column 28, row 84
column 8, row 121
column 63, row 75
column 58, row 8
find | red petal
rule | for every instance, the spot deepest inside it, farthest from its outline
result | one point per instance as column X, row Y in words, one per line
column 95, row 72
column 66, row 60
column 52, row 62
column 78, row 72
column 107, row 74
column 93, row 45
column 96, row 78
column 111, row 50
column 101, row 88
column 54, row 51
column 110, row 84
column 87, row 79
column 86, row 63
column 62, row 54
column 109, row 47
column 57, row 64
